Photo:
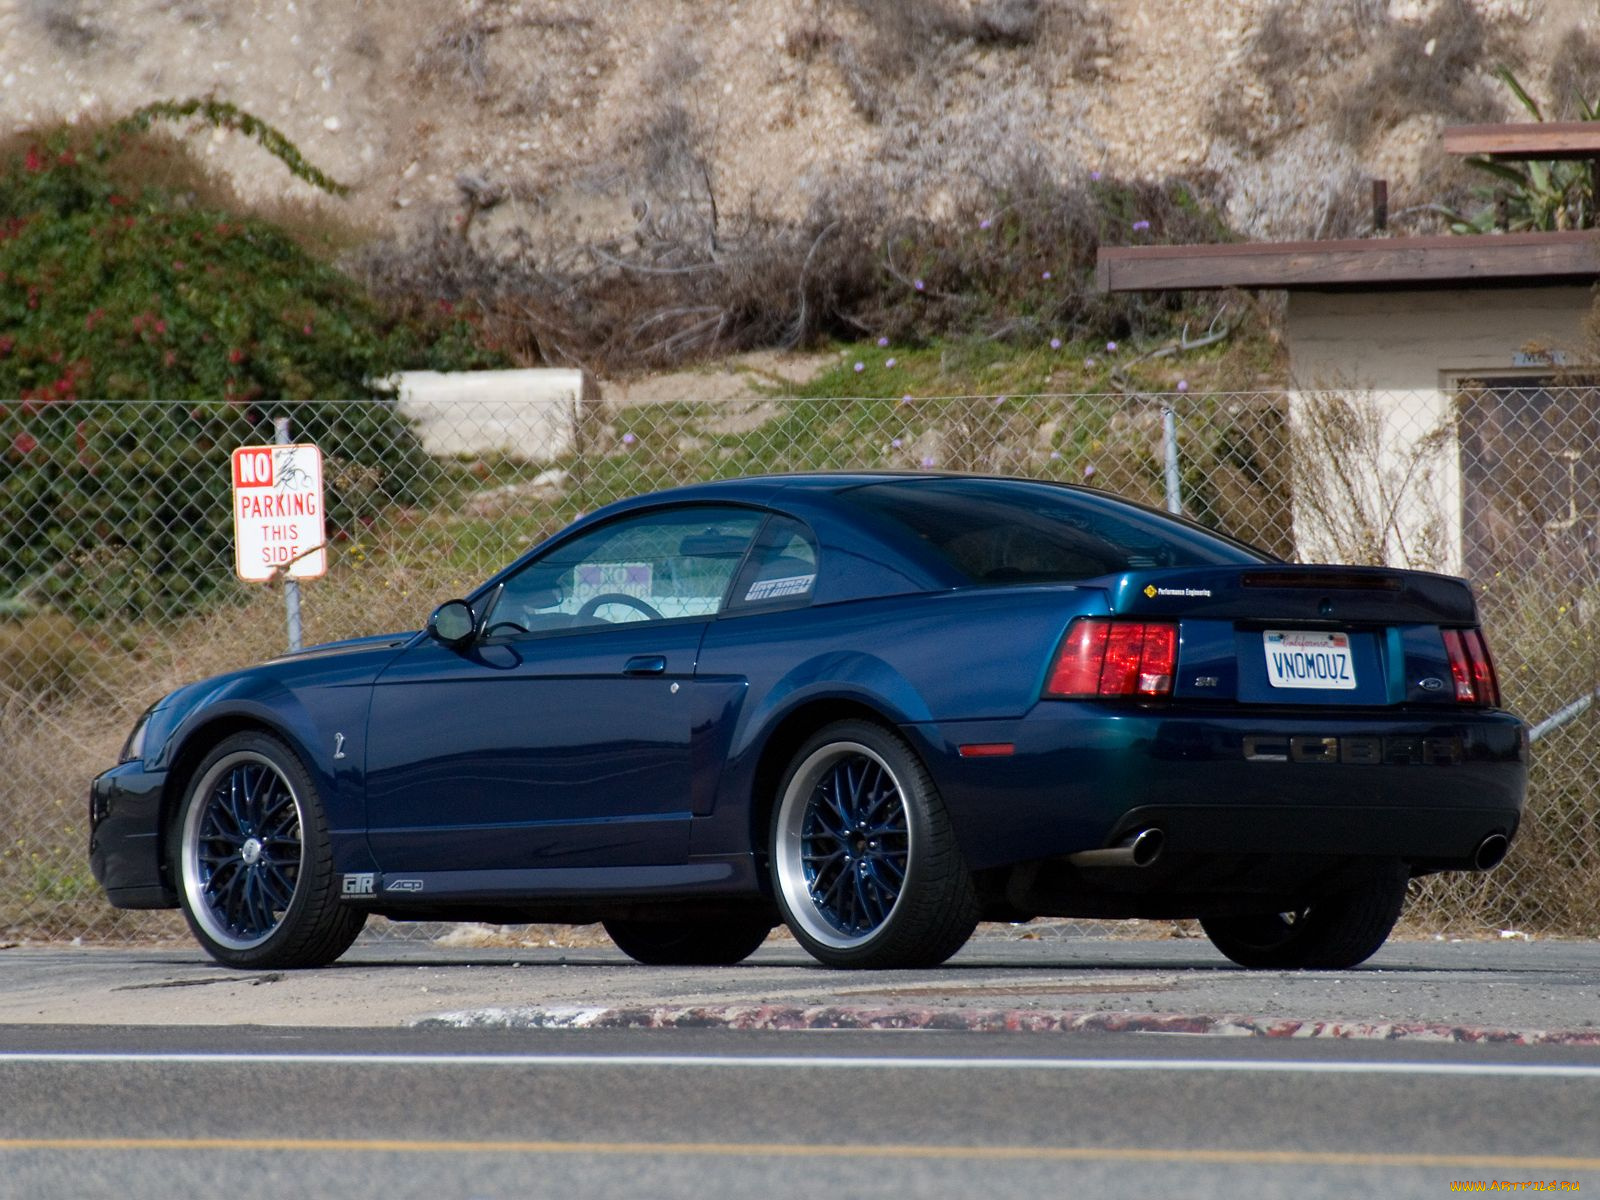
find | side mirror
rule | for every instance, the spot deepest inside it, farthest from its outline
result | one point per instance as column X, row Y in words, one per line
column 452, row 623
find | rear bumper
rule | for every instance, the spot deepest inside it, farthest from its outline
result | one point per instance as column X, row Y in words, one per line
column 1084, row 775
column 124, row 837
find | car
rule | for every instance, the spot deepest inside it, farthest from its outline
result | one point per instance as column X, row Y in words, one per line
column 879, row 708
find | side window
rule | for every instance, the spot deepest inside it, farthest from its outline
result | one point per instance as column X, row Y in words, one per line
column 653, row 567
column 782, row 571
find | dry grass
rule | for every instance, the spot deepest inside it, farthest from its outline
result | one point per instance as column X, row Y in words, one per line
column 1542, row 626
column 1574, row 78
column 1439, row 67
column 63, row 720
column 1355, row 501
column 891, row 54
column 1367, row 69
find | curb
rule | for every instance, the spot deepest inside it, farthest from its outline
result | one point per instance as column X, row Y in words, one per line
column 778, row 1017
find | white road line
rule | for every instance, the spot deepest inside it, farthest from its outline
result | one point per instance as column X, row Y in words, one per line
column 819, row 1063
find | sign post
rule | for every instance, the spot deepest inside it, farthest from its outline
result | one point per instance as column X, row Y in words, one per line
column 278, row 518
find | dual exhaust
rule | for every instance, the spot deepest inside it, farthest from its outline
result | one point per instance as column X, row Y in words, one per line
column 1144, row 847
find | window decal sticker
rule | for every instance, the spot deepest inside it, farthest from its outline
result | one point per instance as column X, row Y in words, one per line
column 772, row 589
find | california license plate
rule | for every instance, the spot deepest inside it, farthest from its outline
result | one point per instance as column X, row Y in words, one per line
column 1297, row 658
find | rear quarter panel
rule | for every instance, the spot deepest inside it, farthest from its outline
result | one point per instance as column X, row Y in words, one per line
column 921, row 662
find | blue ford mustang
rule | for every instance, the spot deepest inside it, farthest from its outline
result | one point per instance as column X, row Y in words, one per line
column 879, row 708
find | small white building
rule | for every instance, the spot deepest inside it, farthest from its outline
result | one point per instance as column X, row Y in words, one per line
column 1459, row 349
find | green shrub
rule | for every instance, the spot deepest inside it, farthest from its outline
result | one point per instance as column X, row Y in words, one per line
column 114, row 289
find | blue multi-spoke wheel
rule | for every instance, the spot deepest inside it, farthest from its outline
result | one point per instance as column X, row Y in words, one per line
column 865, row 865
column 252, row 860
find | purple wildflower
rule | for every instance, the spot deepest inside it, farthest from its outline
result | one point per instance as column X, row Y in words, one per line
column 628, row 439
column 1183, row 385
column 889, row 362
column 1141, row 226
column 905, row 399
column 983, row 224
column 1089, row 362
column 883, row 341
column 896, row 443
column 1111, row 347
column 927, row 460
column 1055, row 455
column 1094, row 176
column 1046, row 275
column 919, row 285
column 1088, row 471
column 860, row 367
column 1055, row 343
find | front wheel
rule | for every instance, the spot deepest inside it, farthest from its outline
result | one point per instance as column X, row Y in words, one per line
column 690, row 943
column 864, row 859
column 251, row 855
column 1331, row 934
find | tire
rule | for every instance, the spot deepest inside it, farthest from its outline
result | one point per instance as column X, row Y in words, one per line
column 1332, row 934
column 250, row 851
column 865, row 865
column 715, row 942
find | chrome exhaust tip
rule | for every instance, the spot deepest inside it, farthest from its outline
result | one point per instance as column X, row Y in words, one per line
column 1139, row 850
column 1490, row 852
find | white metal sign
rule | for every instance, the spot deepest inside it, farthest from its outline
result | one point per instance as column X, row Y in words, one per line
column 278, row 525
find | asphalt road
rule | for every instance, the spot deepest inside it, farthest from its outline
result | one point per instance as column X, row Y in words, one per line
column 1501, row 985
column 439, row 1114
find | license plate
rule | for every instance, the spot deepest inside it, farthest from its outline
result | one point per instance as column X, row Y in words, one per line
column 1299, row 659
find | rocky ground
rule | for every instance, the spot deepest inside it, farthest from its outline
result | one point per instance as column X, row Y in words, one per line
column 587, row 114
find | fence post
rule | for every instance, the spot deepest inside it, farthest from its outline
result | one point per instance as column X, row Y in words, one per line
column 291, row 585
column 1169, row 444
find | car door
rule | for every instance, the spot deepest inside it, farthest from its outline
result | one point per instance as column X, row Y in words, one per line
column 560, row 737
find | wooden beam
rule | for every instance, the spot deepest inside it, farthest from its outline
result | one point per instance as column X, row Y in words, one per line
column 1526, row 141
column 1370, row 263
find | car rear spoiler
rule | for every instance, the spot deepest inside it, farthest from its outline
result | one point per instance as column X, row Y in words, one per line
column 1282, row 591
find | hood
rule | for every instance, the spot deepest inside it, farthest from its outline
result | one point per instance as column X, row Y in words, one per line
column 347, row 646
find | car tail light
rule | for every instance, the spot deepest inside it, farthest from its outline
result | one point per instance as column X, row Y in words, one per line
column 1471, row 668
column 1099, row 657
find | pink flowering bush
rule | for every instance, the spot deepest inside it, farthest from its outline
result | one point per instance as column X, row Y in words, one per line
column 112, row 288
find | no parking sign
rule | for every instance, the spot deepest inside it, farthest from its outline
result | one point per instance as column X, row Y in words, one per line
column 278, row 526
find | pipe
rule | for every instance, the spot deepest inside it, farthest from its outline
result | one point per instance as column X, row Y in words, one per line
column 1490, row 852
column 1138, row 850
column 1562, row 716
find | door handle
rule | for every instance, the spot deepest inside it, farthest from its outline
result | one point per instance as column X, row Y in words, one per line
column 645, row 664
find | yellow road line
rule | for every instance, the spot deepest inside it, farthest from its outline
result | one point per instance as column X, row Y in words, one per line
column 1536, row 1165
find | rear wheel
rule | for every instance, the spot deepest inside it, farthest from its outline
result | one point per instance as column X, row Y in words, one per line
column 709, row 942
column 864, row 860
column 251, row 855
column 1331, row 933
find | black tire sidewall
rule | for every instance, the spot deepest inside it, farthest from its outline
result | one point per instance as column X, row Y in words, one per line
column 313, row 904
column 902, row 939
column 1336, row 932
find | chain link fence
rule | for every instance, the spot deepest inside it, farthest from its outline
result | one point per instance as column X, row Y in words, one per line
column 117, row 575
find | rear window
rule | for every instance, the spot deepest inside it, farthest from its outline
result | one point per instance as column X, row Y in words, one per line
column 1011, row 531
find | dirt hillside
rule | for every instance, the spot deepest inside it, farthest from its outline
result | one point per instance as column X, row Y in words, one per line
column 586, row 114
